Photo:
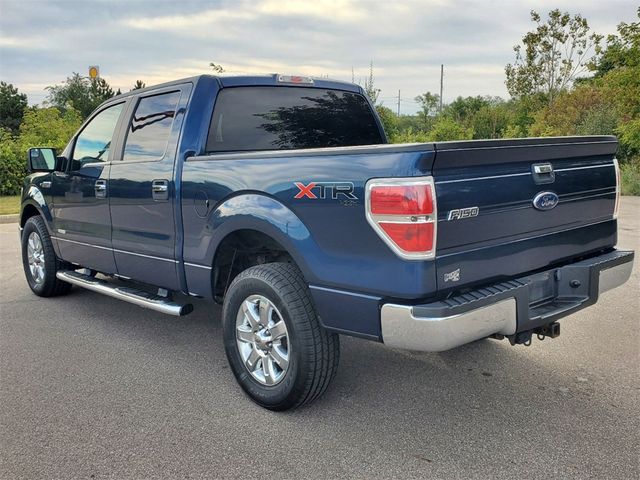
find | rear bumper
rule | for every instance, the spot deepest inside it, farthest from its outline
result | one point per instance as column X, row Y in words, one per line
column 504, row 308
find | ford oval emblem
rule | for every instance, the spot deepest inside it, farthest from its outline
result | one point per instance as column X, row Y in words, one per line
column 545, row 200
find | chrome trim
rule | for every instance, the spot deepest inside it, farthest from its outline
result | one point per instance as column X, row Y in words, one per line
column 343, row 292
column 613, row 277
column 115, row 250
column 145, row 256
column 543, row 168
column 80, row 243
column 584, row 168
column 484, row 178
column 401, row 329
column 563, row 199
column 45, row 184
column 137, row 297
column 206, row 267
column 521, row 174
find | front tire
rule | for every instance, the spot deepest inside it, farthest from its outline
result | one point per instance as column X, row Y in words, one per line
column 39, row 260
column 277, row 349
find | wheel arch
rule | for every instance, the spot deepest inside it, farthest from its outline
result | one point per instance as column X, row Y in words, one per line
column 34, row 203
column 257, row 226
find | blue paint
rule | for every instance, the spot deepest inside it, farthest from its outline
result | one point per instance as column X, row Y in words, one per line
column 351, row 270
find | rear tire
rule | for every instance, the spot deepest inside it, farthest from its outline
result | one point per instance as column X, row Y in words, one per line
column 39, row 260
column 276, row 347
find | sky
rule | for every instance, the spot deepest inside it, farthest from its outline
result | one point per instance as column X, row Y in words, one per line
column 43, row 42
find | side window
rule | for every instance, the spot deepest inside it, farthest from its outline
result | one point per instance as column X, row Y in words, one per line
column 94, row 142
column 150, row 127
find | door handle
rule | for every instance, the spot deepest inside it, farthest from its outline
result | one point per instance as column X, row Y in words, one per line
column 100, row 187
column 160, row 189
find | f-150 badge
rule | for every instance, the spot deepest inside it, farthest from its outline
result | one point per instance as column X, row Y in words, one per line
column 461, row 213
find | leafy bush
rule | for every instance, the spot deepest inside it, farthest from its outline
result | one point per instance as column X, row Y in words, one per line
column 630, row 177
column 12, row 165
column 448, row 129
column 41, row 127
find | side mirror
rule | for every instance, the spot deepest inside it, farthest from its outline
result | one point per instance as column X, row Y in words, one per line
column 41, row 159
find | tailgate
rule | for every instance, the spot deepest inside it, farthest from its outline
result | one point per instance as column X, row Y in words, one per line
column 507, row 207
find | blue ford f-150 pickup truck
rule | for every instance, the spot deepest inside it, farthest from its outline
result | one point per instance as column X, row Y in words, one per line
column 279, row 197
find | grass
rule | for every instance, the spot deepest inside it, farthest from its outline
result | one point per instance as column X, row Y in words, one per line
column 630, row 173
column 10, row 205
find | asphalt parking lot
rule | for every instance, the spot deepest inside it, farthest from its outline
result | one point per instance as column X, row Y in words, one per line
column 91, row 387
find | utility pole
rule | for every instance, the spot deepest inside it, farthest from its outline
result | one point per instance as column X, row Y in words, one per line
column 398, row 102
column 441, row 82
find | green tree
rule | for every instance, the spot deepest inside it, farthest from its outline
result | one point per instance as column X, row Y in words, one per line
column 369, row 86
column 12, row 107
column 389, row 120
column 429, row 103
column 622, row 50
column 138, row 85
column 446, row 128
column 42, row 127
column 12, row 164
column 48, row 127
column 491, row 121
column 79, row 93
column 552, row 55
column 462, row 109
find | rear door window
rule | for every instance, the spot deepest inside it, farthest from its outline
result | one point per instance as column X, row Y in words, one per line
column 150, row 127
column 272, row 118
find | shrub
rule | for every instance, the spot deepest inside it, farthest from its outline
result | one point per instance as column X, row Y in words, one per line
column 630, row 177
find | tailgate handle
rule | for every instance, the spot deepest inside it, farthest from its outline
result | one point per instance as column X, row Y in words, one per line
column 543, row 173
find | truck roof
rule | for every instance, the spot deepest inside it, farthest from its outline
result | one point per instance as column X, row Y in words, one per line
column 250, row 80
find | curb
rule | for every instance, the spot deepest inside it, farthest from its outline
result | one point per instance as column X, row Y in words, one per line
column 9, row 218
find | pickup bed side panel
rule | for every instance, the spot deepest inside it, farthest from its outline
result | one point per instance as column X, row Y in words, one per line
column 340, row 255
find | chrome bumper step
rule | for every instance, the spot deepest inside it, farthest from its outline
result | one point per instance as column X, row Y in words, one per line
column 126, row 293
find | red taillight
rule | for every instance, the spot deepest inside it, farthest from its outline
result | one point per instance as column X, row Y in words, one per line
column 410, row 237
column 402, row 200
column 403, row 213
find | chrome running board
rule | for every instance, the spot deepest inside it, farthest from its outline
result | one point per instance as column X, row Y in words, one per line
column 128, row 294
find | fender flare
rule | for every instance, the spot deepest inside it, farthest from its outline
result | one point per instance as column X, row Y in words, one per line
column 265, row 214
column 34, row 197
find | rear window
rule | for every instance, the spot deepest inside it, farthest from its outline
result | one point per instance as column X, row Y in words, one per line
column 273, row 118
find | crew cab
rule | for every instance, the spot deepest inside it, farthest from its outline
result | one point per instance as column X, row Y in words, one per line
column 279, row 197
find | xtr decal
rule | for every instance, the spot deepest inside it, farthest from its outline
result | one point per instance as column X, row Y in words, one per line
column 322, row 190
